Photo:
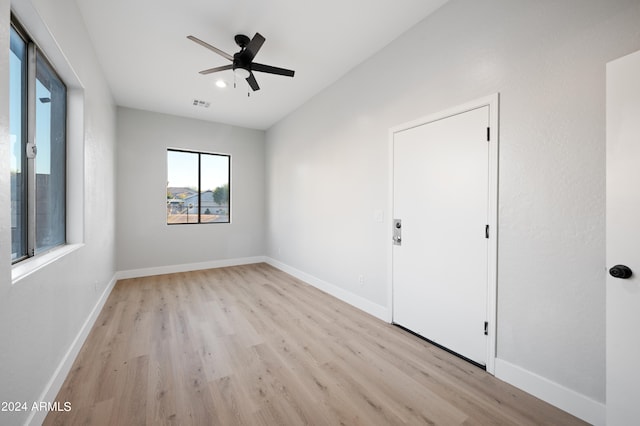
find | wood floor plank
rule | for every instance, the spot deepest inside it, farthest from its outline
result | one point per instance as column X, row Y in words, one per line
column 162, row 406
column 251, row 345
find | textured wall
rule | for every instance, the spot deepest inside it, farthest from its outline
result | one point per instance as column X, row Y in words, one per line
column 42, row 313
column 327, row 166
column 144, row 239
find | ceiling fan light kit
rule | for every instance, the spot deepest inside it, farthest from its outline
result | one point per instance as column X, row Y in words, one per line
column 242, row 62
column 242, row 73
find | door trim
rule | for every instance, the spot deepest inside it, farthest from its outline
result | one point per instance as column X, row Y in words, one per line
column 492, row 101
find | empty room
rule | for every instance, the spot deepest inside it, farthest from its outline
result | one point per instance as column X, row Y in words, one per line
column 279, row 212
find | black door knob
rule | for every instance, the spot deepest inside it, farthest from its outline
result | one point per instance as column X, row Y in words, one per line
column 620, row 271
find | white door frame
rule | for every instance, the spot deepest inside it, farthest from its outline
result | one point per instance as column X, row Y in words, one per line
column 492, row 101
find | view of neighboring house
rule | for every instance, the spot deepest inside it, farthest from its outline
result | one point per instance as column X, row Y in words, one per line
column 184, row 204
column 180, row 192
column 176, row 197
column 208, row 204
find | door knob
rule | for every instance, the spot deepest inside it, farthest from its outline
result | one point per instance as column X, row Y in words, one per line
column 620, row 271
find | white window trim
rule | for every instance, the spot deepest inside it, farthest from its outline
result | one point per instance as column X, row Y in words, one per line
column 33, row 264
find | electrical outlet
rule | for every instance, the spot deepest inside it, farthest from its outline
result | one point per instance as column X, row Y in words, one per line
column 361, row 279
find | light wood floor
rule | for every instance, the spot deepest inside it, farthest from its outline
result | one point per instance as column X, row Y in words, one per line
column 252, row 345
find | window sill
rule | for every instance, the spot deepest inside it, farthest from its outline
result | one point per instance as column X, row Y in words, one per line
column 27, row 267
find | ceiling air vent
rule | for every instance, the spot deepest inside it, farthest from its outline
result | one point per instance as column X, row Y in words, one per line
column 200, row 103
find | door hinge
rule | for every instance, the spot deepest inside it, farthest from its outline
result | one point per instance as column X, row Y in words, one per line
column 486, row 328
column 486, row 231
column 397, row 232
column 488, row 134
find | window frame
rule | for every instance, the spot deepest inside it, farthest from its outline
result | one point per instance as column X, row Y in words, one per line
column 28, row 141
column 199, row 190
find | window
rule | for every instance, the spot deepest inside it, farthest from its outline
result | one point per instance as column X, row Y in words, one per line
column 37, row 127
column 198, row 187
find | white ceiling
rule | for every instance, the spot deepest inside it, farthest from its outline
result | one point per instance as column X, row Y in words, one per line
column 151, row 65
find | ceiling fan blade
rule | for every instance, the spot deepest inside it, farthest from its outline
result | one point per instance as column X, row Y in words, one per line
column 216, row 69
column 251, row 50
column 272, row 70
column 210, row 47
column 252, row 82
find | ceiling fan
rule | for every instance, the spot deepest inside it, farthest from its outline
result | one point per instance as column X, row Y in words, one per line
column 242, row 61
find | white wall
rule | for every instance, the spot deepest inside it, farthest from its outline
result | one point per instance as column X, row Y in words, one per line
column 326, row 176
column 327, row 166
column 41, row 315
column 145, row 241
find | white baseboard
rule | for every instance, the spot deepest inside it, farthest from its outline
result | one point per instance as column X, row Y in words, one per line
column 564, row 398
column 60, row 374
column 361, row 303
column 172, row 269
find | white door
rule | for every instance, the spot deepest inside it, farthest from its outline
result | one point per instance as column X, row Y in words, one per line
column 623, row 240
column 441, row 196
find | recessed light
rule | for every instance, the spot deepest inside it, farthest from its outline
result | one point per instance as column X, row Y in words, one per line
column 221, row 84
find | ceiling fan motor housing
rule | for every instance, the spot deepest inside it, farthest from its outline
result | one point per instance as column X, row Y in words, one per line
column 238, row 62
column 240, row 68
